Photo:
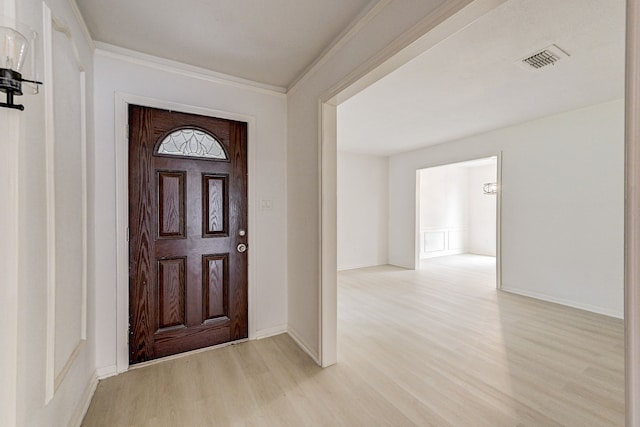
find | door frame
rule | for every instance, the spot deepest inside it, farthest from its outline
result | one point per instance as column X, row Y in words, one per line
column 122, row 101
column 498, row 236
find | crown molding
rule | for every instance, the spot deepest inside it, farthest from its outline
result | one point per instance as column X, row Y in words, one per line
column 167, row 65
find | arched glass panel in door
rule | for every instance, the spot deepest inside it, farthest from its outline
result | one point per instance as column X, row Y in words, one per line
column 192, row 142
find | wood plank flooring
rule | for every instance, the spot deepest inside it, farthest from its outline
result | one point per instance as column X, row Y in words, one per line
column 435, row 347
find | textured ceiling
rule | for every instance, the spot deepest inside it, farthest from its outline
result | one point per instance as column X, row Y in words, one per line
column 270, row 41
column 473, row 82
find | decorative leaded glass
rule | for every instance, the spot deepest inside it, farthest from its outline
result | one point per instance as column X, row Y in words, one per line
column 192, row 143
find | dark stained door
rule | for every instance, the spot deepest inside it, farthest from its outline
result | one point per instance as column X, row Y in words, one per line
column 187, row 232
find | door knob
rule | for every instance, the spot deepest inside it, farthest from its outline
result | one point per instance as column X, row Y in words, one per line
column 242, row 248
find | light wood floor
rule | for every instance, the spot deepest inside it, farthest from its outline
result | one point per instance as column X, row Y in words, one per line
column 436, row 347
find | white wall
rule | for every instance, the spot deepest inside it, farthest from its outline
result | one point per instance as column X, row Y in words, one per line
column 39, row 347
column 363, row 206
column 562, row 204
column 120, row 73
column 482, row 212
column 444, row 195
column 444, row 210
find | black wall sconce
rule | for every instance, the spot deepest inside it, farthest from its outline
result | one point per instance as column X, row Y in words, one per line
column 13, row 51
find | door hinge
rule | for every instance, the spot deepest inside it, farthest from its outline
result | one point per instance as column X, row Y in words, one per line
column 127, row 234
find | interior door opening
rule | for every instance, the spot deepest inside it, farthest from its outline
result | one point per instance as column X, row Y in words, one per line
column 457, row 217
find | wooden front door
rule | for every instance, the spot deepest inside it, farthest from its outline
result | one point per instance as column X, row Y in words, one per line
column 187, row 232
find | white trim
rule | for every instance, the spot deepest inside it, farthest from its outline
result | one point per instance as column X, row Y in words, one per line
column 62, row 27
column 358, row 266
column 81, row 22
column 270, row 332
column 53, row 379
column 562, row 301
column 438, row 254
column 328, row 295
column 49, row 138
column 122, row 231
column 122, row 100
column 286, row 214
column 499, row 221
column 83, row 407
column 121, row 54
column 85, row 198
column 295, row 336
column 68, row 364
column 632, row 216
column 417, row 233
column 106, row 372
column 462, row 158
column 430, row 30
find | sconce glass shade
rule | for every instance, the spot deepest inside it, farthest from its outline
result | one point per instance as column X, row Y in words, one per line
column 13, row 54
column 13, row 49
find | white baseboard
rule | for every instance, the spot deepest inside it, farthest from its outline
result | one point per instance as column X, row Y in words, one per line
column 356, row 266
column 296, row 337
column 270, row 332
column 83, row 407
column 436, row 254
column 568, row 303
column 106, row 372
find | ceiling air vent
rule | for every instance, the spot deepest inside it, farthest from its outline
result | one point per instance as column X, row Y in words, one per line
column 547, row 56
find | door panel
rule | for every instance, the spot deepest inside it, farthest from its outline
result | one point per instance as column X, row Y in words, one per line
column 171, row 204
column 215, row 286
column 216, row 205
column 187, row 205
column 171, row 292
